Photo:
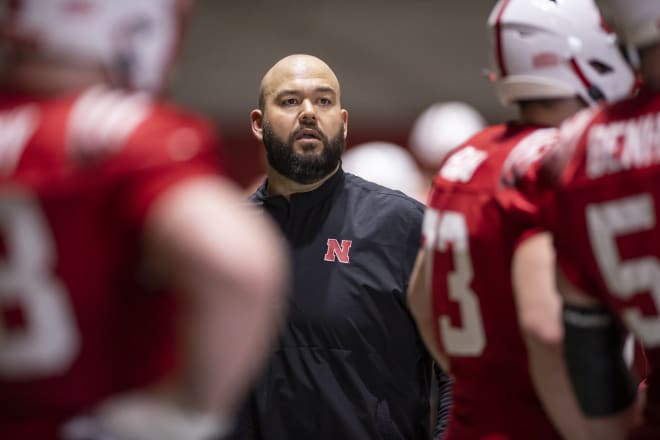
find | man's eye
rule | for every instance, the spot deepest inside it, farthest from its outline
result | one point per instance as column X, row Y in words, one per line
column 290, row 101
column 325, row 101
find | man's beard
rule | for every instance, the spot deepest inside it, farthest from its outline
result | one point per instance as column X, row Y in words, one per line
column 302, row 168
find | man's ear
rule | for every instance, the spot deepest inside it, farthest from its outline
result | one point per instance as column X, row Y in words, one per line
column 256, row 120
column 344, row 118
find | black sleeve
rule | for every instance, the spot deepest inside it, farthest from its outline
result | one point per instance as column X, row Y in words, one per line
column 442, row 390
column 593, row 346
column 415, row 219
column 247, row 426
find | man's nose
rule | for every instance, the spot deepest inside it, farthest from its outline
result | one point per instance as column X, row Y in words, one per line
column 308, row 112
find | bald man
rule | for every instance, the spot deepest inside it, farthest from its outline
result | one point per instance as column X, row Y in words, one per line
column 349, row 363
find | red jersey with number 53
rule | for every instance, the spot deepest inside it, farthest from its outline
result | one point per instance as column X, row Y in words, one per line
column 80, row 317
column 605, row 216
column 472, row 228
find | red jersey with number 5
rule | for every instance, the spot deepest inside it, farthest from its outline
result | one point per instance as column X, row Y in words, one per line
column 80, row 317
column 472, row 228
column 605, row 216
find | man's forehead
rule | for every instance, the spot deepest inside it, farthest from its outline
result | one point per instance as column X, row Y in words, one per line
column 303, row 85
column 301, row 77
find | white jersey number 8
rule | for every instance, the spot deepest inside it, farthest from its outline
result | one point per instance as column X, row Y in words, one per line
column 48, row 341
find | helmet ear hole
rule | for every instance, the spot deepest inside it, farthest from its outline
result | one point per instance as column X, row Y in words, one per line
column 601, row 67
column 596, row 94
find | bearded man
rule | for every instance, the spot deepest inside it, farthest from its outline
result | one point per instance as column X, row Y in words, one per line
column 349, row 362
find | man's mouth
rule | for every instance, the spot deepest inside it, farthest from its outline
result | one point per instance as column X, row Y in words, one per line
column 308, row 133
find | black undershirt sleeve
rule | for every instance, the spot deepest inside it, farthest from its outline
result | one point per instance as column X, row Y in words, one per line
column 593, row 348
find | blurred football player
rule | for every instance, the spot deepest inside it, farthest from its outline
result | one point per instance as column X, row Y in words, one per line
column 602, row 208
column 440, row 128
column 138, row 294
column 386, row 164
column 553, row 58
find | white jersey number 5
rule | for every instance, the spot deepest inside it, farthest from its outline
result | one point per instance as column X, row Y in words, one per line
column 45, row 341
column 625, row 279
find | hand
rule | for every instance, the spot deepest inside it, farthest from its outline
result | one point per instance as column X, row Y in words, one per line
column 86, row 427
column 143, row 416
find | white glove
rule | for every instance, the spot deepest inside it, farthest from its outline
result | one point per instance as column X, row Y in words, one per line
column 144, row 417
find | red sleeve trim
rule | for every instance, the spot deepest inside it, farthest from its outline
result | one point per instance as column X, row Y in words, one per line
column 529, row 233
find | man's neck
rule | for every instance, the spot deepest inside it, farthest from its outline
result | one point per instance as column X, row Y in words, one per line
column 280, row 185
column 549, row 112
column 650, row 66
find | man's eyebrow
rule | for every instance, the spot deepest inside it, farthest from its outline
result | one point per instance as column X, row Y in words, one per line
column 325, row 90
column 294, row 92
column 287, row 92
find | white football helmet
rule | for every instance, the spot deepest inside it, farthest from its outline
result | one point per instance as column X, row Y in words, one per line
column 637, row 20
column 135, row 40
column 440, row 128
column 556, row 49
column 386, row 164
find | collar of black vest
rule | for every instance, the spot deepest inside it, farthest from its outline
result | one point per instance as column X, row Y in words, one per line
column 307, row 198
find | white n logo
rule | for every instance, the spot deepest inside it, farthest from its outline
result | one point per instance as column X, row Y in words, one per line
column 338, row 252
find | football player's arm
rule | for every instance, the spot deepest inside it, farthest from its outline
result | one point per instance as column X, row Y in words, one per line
column 593, row 349
column 539, row 314
column 228, row 262
column 420, row 304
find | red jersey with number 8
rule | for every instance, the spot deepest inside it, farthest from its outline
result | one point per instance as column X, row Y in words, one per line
column 472, row 227
column 80, row 317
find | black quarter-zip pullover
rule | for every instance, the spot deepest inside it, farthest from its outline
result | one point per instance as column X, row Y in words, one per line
column 349, row 364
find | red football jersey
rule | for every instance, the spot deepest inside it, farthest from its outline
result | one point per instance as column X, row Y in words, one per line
column 604, row 214
column 473, row 225
column 80, row 317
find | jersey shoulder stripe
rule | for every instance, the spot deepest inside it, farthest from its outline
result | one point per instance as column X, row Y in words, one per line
column 102, row 119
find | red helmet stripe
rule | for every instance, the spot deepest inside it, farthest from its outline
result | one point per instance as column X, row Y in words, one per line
column 580, row 74
column 499, row 51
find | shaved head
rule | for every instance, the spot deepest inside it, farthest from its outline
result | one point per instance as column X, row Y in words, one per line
column 292, row 67
column 300, row 120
